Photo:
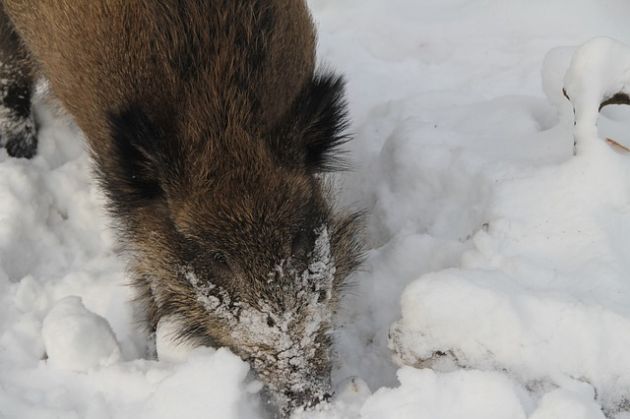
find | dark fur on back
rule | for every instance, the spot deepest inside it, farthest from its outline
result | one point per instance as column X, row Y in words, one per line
column 210, row 133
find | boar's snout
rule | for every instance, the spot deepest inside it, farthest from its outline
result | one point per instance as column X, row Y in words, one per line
column 309, row 399
column 289, row 401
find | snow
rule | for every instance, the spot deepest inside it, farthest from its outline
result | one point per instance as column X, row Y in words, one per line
column 599, row 69
column 77, row 339
column 549, row 272
column 167, row 345
column 496, row 283
column 427, row 395
column 223, row 398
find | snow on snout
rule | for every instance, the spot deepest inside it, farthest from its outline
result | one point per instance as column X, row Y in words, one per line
column 301, row 301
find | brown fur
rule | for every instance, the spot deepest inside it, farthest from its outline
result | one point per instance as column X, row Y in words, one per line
column 209, row 129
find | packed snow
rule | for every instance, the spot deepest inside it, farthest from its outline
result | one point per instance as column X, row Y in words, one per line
column 497, row 278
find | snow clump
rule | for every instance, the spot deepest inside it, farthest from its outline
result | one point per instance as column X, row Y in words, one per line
column 77, row 339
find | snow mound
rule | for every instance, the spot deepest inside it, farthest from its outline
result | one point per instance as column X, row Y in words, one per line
column 190, row 394
column 543, row 294
column 599, row 70
column 560, row 404
column 423, row 394
column 77, row 339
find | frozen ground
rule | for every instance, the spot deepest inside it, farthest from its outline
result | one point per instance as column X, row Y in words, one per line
column 498, row 262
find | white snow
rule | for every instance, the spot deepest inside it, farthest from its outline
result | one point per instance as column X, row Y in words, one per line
column 209, row 384
column 544, row 291
column 497, row 279
column 77, row 339
column 599, row 69
column 167, row 345
column 427, row 395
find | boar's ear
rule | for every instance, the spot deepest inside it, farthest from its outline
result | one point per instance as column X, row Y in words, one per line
column 315, row 128
column 132, row 170
column 325, row 123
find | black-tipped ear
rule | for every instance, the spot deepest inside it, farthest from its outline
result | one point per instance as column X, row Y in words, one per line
column 311, row 134
column 130, row 172
column 326, row 120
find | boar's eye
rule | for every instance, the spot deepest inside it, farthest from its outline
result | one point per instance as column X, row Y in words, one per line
column 219, row 258
column 220, row 261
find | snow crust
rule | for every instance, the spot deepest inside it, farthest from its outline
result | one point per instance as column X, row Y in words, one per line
column 498, row 261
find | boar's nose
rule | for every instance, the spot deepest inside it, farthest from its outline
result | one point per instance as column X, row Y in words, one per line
column 307, row 399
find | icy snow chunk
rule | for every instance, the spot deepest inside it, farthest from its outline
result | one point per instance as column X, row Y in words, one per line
column 77, row 339
column 599, row 70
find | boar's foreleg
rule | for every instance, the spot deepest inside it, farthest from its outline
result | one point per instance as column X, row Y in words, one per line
column 17, row 126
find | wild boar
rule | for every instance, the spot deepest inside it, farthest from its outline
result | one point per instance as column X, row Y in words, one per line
column 210, row 132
